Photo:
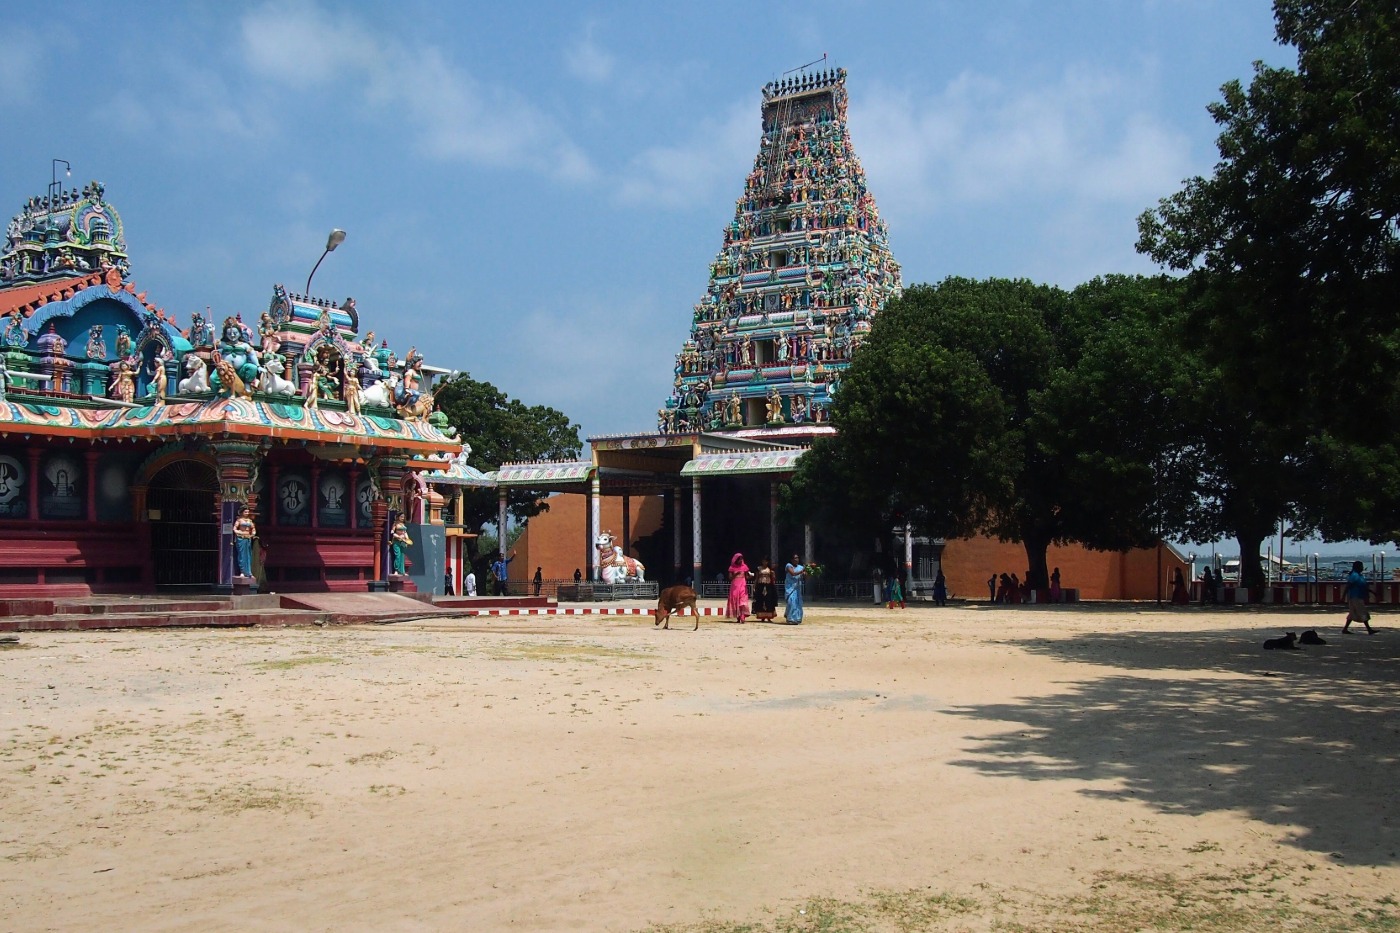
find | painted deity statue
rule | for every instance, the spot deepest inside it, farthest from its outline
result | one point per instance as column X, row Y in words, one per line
column 244, row 531
column 200, row 334
column 96, row 345
column 267, row 333
column 15, row 333
column 124, row 344
column 123, row 384
column 159, row 380
column 351, row 391
column 238, row 366
column 775, row 406
column 399, row 543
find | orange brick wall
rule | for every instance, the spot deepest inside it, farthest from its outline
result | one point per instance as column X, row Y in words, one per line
column 968, row 562
column 557, row 540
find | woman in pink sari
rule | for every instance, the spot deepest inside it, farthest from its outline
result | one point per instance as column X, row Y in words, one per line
column 738, row 606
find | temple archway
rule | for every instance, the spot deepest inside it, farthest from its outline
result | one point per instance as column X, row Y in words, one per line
column 182, row 507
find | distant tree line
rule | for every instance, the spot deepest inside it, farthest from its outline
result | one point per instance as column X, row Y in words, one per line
column 1256, row 384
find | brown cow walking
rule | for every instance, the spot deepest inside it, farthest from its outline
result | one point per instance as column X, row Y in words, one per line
column 672, row 600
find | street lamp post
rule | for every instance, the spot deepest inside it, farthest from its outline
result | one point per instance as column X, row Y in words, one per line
column 336, row 238
column 1317, row 578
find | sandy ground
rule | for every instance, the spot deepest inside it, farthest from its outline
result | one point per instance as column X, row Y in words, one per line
column 969, row 768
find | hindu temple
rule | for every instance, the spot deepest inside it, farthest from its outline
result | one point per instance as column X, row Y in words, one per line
column 130, row 445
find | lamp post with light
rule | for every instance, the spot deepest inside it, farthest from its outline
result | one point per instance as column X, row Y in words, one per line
column 336, row 238
column 54, row 184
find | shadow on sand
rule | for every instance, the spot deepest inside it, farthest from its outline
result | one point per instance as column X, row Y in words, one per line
column 1306, row 740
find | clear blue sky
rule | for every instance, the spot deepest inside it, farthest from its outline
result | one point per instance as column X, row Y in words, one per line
column 533, row 191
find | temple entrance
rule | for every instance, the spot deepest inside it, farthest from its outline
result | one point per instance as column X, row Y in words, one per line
column 181, row 503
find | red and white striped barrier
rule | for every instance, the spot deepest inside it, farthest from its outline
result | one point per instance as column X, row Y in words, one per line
column 590, row 611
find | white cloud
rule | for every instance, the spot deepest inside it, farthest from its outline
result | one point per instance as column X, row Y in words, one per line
column 982, row 142
column 709, row 165
column 587, row 61
column 453, row 115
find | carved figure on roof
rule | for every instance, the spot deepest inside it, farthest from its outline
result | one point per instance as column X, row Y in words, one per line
column 273, row 380
column 775, row 406
column 267, row 334
column 281, row 307
column 124, row 342
column 236, row 364
column 411, row 402
column 197, row 375
column 351, row 391
column 324, row 383
column 15, row 333
column 799, row 409
column 96, row 346
column 159, row 381
column 200, row 334
column 663, row 421
column 733, row 410
column 381, row 394
column 123, row 384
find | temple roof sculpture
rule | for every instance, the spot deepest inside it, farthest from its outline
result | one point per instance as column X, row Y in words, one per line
column 804, row 266
column 83, row 351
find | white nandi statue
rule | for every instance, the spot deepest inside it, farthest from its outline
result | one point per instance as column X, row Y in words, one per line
column 272, row 381
column 381, row 394
column 198, row 378
column 615, row 566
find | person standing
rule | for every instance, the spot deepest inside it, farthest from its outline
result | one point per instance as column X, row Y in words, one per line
column 940, row 590
column 765, row 592
column 992, row 588
column 1055, row 591
column 896, row 593
column 539, row 579
column 1180, row 595
column 738, row 606
column 578, row 576
column 469, row 584
column 501, row 569
column 792, row 611
column 1358, row 588
column 1207, row 586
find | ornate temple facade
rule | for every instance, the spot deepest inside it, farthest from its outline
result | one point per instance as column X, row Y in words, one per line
column 804, row 266
column 129, row 445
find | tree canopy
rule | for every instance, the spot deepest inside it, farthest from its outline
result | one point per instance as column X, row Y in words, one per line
column 1291, row 251
column 1012, row 409
column 501, row 430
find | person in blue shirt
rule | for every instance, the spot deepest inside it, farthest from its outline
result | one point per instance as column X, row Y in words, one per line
column 1358, row 588
column 501, row 568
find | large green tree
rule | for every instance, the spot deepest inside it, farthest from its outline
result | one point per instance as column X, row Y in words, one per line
column 1011, row 409
column 501, row 429
column 1291, row 246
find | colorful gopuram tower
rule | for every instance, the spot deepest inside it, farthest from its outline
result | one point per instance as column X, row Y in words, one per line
column 804, row 267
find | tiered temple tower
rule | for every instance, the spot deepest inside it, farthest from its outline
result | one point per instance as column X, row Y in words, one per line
column 804, row 267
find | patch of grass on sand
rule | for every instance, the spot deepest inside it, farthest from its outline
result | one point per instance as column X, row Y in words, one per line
column 557, row 651
column 1116, row 901
column 289, row 663
column 239, row 798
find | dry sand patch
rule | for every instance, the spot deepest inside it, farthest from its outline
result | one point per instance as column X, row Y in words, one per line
column 960, row 769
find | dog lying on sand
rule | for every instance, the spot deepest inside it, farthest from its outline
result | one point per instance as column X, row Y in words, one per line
column 671, row 601
column 1286, row 642
column 1310, row 637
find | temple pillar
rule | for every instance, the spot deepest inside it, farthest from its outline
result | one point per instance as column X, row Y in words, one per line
column 354, row 479
column 501, row 496
column 676, row 533
column 908, row 557
column 315, row 495
column 595, row 505
column 626, row 524
column 272, row 485
column 34, row 454
column 696, row 557
column 90, row 464
column 773, row 522
column 235, row 464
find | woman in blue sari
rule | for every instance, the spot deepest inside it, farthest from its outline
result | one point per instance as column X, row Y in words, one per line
column 792, row 612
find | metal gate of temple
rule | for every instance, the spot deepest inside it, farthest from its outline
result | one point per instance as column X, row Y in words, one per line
column 181, row 503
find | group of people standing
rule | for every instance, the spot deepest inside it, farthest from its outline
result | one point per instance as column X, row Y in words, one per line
column 764, row 605
column 1009, row 589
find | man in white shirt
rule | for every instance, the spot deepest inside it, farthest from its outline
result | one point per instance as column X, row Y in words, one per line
column 470, row 583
